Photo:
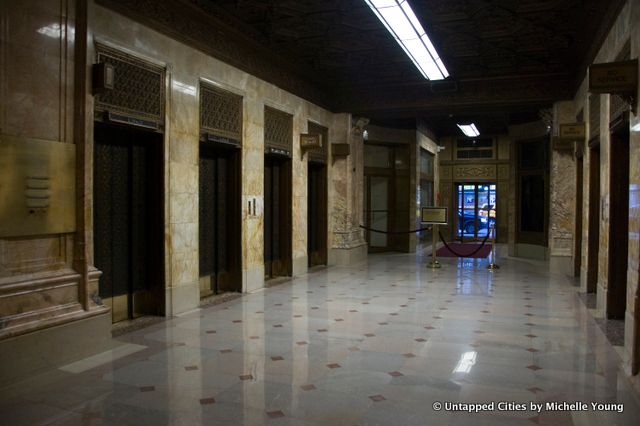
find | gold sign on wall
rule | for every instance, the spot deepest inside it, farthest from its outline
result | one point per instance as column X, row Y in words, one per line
column 37, row 187
column 573, row 131
column 614, row 77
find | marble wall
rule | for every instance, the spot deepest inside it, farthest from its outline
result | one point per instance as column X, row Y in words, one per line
column 625, row 30
column 562, row 187
column 186, row 68
column 39, row 285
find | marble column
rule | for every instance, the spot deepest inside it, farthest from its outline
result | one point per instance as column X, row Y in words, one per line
column 348, row 245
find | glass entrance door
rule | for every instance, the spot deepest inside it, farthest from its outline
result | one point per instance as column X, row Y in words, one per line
column 476, row 209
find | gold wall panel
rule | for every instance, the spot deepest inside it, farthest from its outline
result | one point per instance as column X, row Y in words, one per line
column 475, row 172
column 37, row 187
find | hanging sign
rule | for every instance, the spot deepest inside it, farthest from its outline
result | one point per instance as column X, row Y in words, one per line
column 614, row 77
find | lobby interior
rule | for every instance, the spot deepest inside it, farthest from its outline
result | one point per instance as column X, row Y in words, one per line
column 212, row 212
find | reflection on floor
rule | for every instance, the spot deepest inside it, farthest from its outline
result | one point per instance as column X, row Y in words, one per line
column 376, row 344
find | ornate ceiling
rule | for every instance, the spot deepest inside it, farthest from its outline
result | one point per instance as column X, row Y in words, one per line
column 507, row 59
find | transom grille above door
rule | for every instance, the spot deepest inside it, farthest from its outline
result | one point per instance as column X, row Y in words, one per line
column 138, row 89
column 278, row 131
column 220, row 114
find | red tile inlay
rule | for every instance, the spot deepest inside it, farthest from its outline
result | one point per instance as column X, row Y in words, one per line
column 278, row 304
column 338, row 319
column 403, row 306
column 254, row 337
column 322, row 330
column 211, row 332
column 259, row 312
column 277, row 326
column 353, row 310
column 369, row 335
column 225, row 351
column 277, row 358
column 534, row 367
column 302, row 342
column 395, row 374
column 437, row 317
column 275, row 414
column 191, row 367
column 207, row 401
column 246, row 377
column 393, row 313
column 530, row 324
column 237, row 321
column 529, row 314
column 428, row 327
column 535, row 389
column 535, row 419
column 307, row 387
column 409, row 355
column 532, row 350
column 365, row 303
column 314, row 307
column 354, row 349
column 297, row 316
column 420, row 339
column 383, row 323
column 486, row 312
column 334, row 365
column 531, row 336
column 478, row 331
column 147, row 388
column 377, row 398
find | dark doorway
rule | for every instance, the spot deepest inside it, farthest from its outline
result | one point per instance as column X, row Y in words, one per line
column 577, row 233
column 594, row 217
column 128, row 220
column 277, row 216
column 219, row 218
column 618, row 250
column 317, row 214
column 533, row 191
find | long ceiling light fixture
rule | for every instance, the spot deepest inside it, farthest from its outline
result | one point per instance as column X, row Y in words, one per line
column 402, row 23
column 470, row 130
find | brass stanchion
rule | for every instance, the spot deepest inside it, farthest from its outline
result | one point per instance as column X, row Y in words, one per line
column 434, row 264
column 493, row 266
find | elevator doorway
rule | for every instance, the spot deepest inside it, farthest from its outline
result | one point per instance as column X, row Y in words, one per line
column 128, row 221
column 317, row 214
column 476, row 207
column 219, row 219
column 593, row 245
column 277, row 216
column 618, row 241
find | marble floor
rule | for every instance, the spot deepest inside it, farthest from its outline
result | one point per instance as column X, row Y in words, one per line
column 385, row 342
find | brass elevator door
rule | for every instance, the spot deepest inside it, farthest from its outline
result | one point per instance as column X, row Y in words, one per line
column 128, row 231
column 218, row 210
column 277, row 216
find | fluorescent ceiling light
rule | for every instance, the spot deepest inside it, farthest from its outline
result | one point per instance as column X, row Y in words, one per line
column 402, row 23
column 469, row 130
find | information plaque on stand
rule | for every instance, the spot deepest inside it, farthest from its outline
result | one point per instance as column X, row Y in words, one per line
column 434, row 216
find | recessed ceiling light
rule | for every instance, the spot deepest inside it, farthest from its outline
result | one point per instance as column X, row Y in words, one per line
column 470, row 130
column 398, row 17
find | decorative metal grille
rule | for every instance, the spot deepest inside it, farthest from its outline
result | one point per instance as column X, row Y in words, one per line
column 594, row 115
column 319, row 154
column 617, row 107
column 138, row 86
column 220, row 113
column 278, row 130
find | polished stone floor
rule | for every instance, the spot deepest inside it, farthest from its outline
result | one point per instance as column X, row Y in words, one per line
column 380, row 343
